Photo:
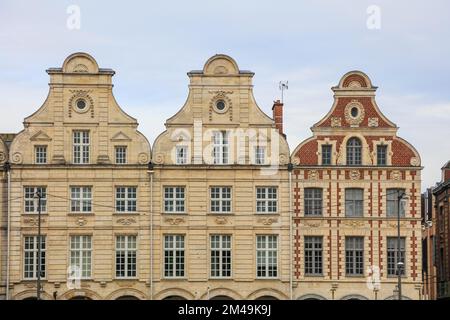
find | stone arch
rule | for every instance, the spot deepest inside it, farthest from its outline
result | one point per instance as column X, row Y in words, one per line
column 80, row 293
column 80, row 62
column 267, row 292
column 221, row 292
column 221, row 64
column 127, row 292
column 170, row 292
column 361, row 80
column 354, row 297
column 30, row 294
column 311, row 297
column 395, row 297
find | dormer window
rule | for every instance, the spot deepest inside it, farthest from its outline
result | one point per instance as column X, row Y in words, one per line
column 181, row 154
column 220, row 147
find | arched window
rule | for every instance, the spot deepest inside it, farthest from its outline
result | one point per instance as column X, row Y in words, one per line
column 354, row 152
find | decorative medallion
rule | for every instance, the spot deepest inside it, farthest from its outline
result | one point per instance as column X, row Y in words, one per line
column 373, row 122
column 221, row 220
column 267, row 221
column 355, row 175
column 313, row 175
column 81, row 102
column 33, row 221
column 17, row 158
column 354, row 113
column 283, row 159
column 159, row 158
column 174, row 221
column 221, row 104
column 81, row 222
column 143, row 158
column 126, row 221
column 2, row 156
column 296, row 161
column 396, row 175
column 336, row 121
column 415, row 161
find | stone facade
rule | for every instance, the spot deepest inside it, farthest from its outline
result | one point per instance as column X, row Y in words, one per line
column 322, row 173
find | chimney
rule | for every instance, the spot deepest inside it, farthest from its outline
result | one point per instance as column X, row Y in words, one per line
column 277, row 110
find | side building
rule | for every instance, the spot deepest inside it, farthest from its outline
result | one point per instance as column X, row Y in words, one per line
column 348, row 179
column 221, row 193
column 82, row 155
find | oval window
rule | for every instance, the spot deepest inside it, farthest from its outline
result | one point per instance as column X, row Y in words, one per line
column 354, row 112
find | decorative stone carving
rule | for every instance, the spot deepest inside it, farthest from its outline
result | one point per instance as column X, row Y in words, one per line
column 33, row 221
column 81, row 221
column 296, row 161
column 220, row 70
column 312, row 224
column 283, row 159
column 81, row 94
column 2, row 156
column 80, row 68
column 221, row 220
column 354, row 223
column 336, row 122
column 394, row 224
column 125, row 284
column 174, row 221
column 313, row 175
column 159, row 158
column 354, row 121
column 267, row 221
column 354, row 84
column 17, row 158
column 143, row 158
column 373, row 122
column 355, row 175
column 415, row 161
column 126, row 221
column 221, row 95
column 396, row 175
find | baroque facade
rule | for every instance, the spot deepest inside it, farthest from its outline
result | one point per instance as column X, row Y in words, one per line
column 216, row 208
column 347, row 179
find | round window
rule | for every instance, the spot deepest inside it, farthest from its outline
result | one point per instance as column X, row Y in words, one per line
column 81, row 104
column 354, row 112
column 220, row 105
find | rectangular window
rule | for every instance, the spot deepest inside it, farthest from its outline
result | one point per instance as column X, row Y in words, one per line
column 326, row 154
column 392, row 255
column 121, row 154
column 81, row 255
column 30, row 263
column 31, row 204
column 267, row 256
column 266, row 200
column 81, row 146
column 174, row 199
column 313, row 202
column 220, row 256
column 393, row 202
column 354, row 256
column 354, row 202
column 126, row 199
column 126, row 248
column 313, row 256
column 221, row 199
column 81, row 199
column 381, row 155
column 220, row 147
column 40, row 154
column 260, row 155
column 181, row 154
column 173, row 256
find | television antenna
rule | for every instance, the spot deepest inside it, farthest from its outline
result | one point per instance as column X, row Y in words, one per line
column 283, row 85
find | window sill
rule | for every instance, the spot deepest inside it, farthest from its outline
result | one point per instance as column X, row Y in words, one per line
column 126, row 213
column 268, row 278
column 314, row 275
column 267, row 214
column 80, row 214
column 126, row 279
column 220, row 214
column 174, row 278
column 175, row 213
column 34, row 214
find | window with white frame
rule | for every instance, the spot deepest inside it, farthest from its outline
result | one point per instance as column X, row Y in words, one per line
column 266, row 200
column 181, row 154
column 393, row 255
column 220, row 199
column 126, row 200
column 313, row 201
column 174, row 199
column 81, row 255
column 381, row 155
column 126, row 247
column 220, row 256
column 354, row 256
column 30, row 263
column 354, row 152
column 81, row 147
column 260, row 155
column 393, row 202
column 354, row 202
column 173, row 256
column 31, row 203
column 266, row 256
column 121, row 154
column 326, row 154
column 81, row 199
column 40, row 154
column 313, row 256
column 220, row 147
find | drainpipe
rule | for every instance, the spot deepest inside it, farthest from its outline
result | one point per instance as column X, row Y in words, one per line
column 151, row 171
column 290, row 167
column 7, row 168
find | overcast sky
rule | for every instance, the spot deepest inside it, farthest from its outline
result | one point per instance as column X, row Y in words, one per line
column 151, row 46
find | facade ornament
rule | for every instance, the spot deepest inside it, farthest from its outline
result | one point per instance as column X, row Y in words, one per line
column 312, row 224
column 354, row 113
column 174, row 221
column 81, row 221
column 17, row 158
column 373, row 122
column 396, row 175
column 2, row 156
column 296, row 161
column 394, row 224
column 267, row 221
column 81, row 95
column 313, row 175
column 126, row 221
column 143, row 158
column 354, row 223
column 355, row 175
column 33, row 221
column 159, row 158
column 415, row 161
column 221, row 220
column 336, row 122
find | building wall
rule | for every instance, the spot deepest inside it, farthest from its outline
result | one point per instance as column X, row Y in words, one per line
column 3, row 216
column 429, row 272
column 402, row 170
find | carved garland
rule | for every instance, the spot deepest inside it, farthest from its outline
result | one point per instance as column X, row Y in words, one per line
column 354, row 121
